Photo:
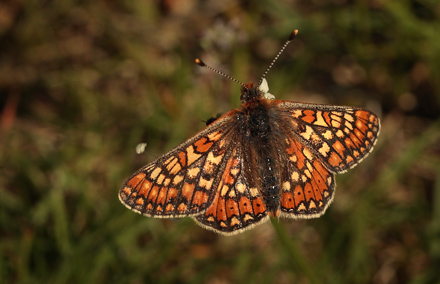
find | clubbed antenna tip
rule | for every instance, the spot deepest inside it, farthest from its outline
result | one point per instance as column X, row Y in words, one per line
column 293, row 35
column 200, row 62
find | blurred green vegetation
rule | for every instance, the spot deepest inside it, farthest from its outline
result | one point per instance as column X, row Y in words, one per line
column 82, row 83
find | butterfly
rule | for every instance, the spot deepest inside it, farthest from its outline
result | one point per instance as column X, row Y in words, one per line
column 268, row 158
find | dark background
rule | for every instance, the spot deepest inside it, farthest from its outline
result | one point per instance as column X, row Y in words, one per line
column 83, row 82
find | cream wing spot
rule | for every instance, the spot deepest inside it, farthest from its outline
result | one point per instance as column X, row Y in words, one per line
column 340, row 133
column 337, row 114
column 293, row 158
column 224, row 190
column 295, row 176
column 308, row 154
column 348, row 117
column 328, row 135
column 155, row 173
column 296, row 113
column 234, row 221
column 214, row 160
column 177, row 179
column 308, row 133
column 325, row 148
column 253, row 191
column 192, row 173
column 170, row 163
column 214, row 136
column 247, row 217
column 336, row 124
column 301, row 207
column 166, row 182
column 160, row 179
column 348, row 125
column 192, row 156
column 308, row 174
column 175, row 169
column 206, row 184
column 320, row 120
column 234, row 172
column 240, row 187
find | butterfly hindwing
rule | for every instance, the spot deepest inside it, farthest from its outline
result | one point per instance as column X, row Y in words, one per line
column 238, row 204
column 307, row 187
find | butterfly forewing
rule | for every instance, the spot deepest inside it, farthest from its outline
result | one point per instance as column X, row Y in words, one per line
column 340, row 136
column 183, row 181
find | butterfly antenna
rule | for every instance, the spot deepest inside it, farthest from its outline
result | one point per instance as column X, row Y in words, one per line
column 291, row 37
column 202, row 64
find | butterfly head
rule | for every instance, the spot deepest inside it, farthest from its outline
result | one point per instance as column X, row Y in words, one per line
column 249, row 92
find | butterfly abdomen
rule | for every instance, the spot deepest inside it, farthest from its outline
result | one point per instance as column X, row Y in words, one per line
column 271, row 189
column 258, row 129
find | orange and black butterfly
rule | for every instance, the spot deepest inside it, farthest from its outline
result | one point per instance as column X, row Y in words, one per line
column 268, row 158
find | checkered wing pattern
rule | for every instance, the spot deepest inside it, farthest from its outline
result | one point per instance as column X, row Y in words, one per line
column 184, row 181
column 238, row 204
column 321, row 140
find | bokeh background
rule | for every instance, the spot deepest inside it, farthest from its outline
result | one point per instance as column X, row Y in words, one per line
column 83, row 82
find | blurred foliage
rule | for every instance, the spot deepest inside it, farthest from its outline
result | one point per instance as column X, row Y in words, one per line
column 83, row 82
